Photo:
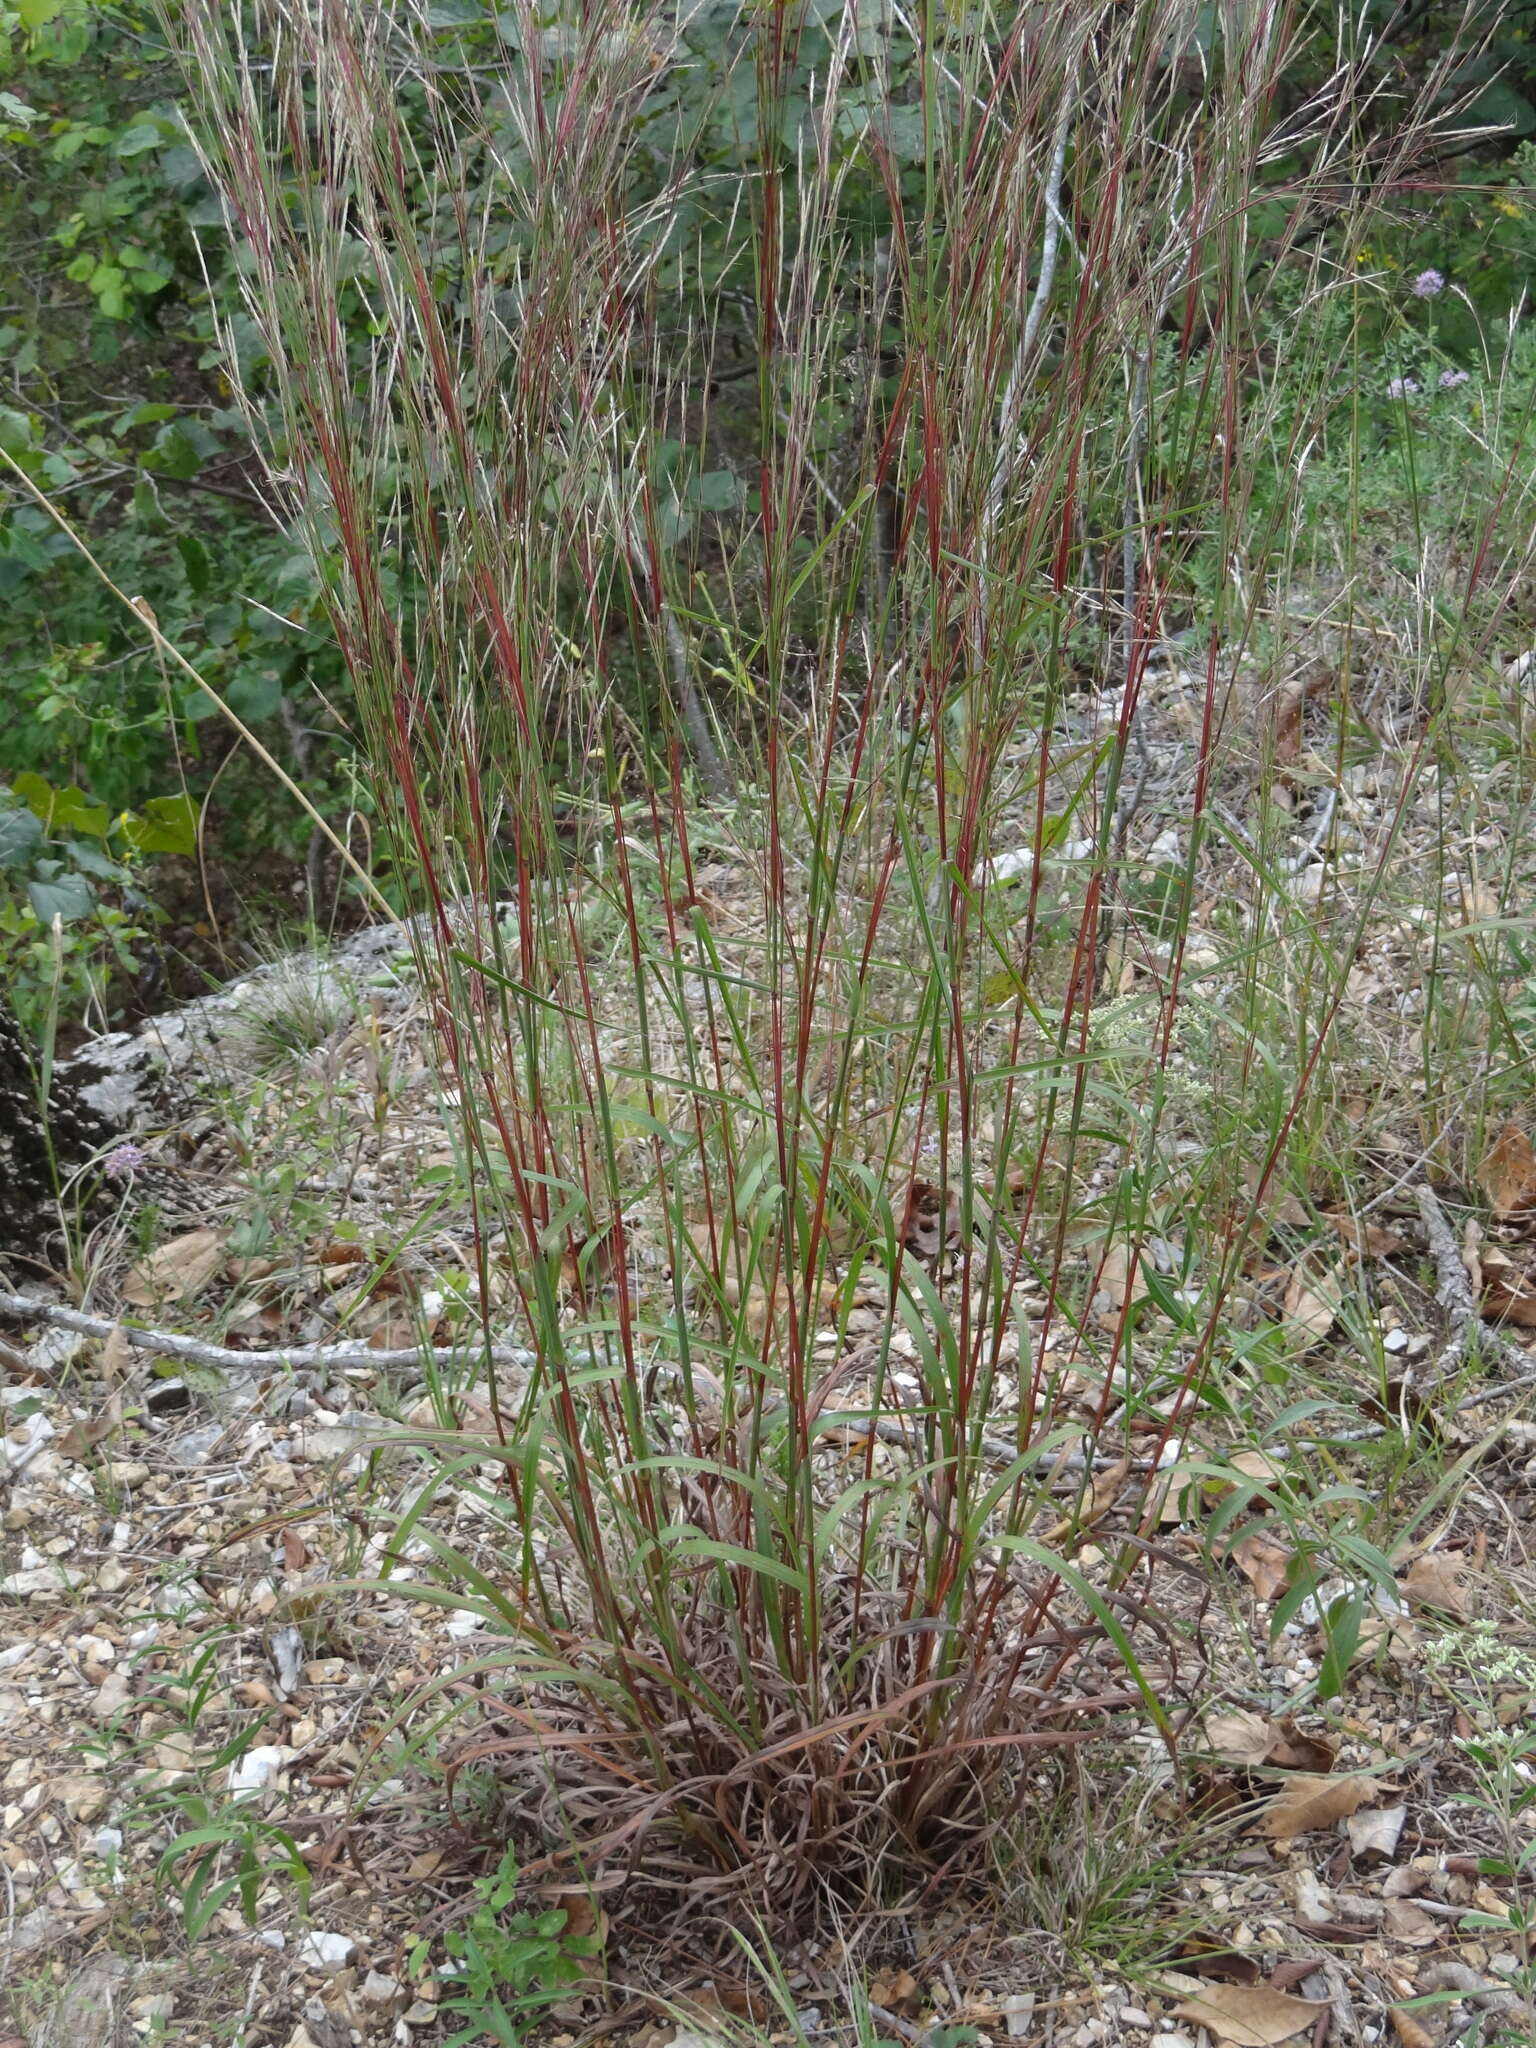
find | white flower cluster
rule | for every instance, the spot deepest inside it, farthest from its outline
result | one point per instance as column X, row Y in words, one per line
column 1489, row 1660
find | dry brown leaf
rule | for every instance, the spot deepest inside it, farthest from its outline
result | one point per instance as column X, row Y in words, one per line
column 1291, row 1750
column 1375, row 1831
column 1487, row 1900
column 1508, row 1295
column 176, row 1271
column 1409, row 2032
column 1365, row 1240
column 81, row 1437
column 1403, row 1921
column 1237, row 1736
column 1206, row 1957
column 931, row 1221
column 1508, row 1173
column 899, row 1992
column 1471, row 1254
column 1291, row 1971
column 392, row 1333
column 247, row 1271
column 584, row 1917
column 1111, row 1286
column 337, row 1252
column 1264, row 1565
column 117, row 1356
column 717, row 2002
column 1253, row 1465
column 1312, row 1301
column 1310, row 1802
column 1250, row 2015
column 762, row 1309
column 1437, row 1580
column 1097, row 1502
column 1290, row 711
column 1389, row 1636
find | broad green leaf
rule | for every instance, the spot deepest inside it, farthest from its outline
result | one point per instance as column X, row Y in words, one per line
column 195, row 560
column 715, row 491
column 61, row 810
column 168, row 823
column 94, row 862
column 19, row 833
column 255, row 693
column 1500, row 106
column 134, row 141
column 66, row 897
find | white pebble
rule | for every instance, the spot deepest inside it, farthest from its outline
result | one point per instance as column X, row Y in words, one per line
column 323, row 1951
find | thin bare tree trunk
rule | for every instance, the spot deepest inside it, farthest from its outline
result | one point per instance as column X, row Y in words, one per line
column 41, row 1147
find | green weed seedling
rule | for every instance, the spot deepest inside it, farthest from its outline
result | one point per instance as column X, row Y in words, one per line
column 229, row 1851
column 506, row 1967
column 1487, row 1678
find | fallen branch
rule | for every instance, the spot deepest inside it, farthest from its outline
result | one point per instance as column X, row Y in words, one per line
column 294, row 1357
column 283, row 1357
column 1453, row 1291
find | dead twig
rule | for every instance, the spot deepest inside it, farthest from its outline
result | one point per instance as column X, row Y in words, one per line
column 283, row 1357
column 1453, row 1291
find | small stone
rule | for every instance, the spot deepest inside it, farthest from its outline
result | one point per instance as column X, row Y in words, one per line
column 22, row 1443
column 84, row 1797
column 320, row 1950
column 40, row 1580
column 261, row 1766
column 36, row 1930
column 1133, row 2016
column 1395, row 1341
column 1018, row 2011
column 177, row 1753
column 112, row 1697
column 379, row 1989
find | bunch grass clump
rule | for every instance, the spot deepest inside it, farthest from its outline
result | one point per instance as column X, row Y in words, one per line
column 763, row 462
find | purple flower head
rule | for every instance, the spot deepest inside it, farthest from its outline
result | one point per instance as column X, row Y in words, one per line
column 1449, row 379
column 1427, row 284
column 123, row 1161
column 1402, row 387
